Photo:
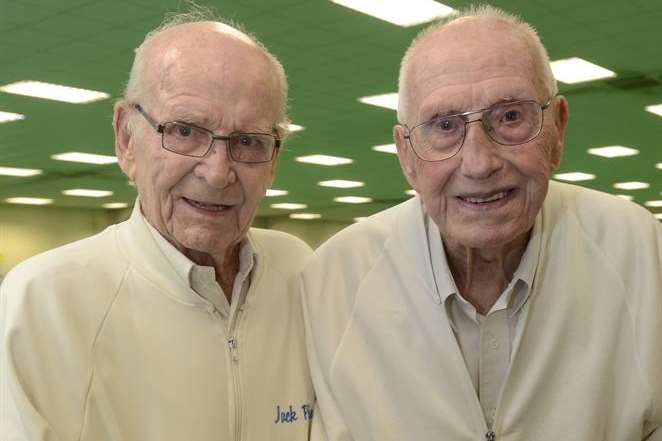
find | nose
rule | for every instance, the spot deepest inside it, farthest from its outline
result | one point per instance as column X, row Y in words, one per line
column 479, row 155
column 216, row 167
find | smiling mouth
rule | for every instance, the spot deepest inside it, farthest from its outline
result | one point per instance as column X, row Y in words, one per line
column 486, row 200
column 208, row 207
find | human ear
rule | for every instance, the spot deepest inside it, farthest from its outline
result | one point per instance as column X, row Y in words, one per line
column 405, row 155
column 123, row 137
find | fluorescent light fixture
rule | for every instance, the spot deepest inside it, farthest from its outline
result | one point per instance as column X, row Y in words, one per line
column 658, row 216
column 272, row 192
column 387, row 100
column 385, row 148
column 324, row 160
column 305, row 216
column 9, row 117
column 360, row 218
column 87, row 193
column 577, row 70
column 654, row 204
column 399, row 12
column 29, row 201
column 627, row 197
column 19, row 172
column 341, row 183
column 656, row 109
column 87, row 158
column 295, row 128
column 613, row 151
column 634, row 185
column 289, row 206
column 54, row 92
column 352, row 199
column 411, row 192
column 574, row 176
column 115, row 205
column 659, row 165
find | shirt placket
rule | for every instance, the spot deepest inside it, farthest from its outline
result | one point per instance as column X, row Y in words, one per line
column 493, row 361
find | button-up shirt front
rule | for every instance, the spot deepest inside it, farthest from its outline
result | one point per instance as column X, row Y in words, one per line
column 487, row 342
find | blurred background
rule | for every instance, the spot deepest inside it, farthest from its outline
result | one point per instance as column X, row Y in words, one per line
column 59, row 180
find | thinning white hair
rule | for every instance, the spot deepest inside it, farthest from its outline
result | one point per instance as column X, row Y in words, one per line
column 538, row 51
column 135, row 88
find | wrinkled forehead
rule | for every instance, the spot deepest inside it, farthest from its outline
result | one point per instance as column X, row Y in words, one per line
column 472, row 49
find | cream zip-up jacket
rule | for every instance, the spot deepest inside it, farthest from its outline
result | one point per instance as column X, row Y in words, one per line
column 101, row 340
column 386, row 365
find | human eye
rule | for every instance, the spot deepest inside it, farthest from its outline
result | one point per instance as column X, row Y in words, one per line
column 181, row 130
column 445, row 124
column 509, row 114
column 246, row 140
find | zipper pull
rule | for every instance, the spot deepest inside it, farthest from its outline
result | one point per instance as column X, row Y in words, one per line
column 490, row 436
column 232, row 344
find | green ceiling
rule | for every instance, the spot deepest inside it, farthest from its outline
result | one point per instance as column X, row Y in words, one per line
column 332, row 56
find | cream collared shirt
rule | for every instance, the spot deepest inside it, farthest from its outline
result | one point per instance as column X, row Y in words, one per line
column 202, row 279
column 487, row 342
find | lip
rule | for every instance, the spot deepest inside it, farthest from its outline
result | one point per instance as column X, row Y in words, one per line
column 205, row 207
column 486, row 200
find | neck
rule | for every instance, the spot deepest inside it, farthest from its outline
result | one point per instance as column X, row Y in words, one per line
column 481, row 274
column 225, row 263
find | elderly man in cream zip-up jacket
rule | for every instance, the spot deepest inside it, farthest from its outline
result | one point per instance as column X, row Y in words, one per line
column 494, row 305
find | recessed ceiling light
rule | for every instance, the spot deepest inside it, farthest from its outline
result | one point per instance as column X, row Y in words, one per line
column 54, row 92
column 656, row 109
column 401, row 13
column 613, row 151
column 577, row 70
column 385, row 148
column 341, row 183
column 324, row 160
column 295, row 128
column 29, row 201
column 634, row 185
column 19, row 172
column 9, row 117
column 352, row 199
column 87, row 193
column 411, row 192
column 387, row 100
column 654, row 204
column 627, row 197
column 574, row 176
column 305, row 216
column 271, row 192
column 87, row 158
column 115, row 205
column 289, row 206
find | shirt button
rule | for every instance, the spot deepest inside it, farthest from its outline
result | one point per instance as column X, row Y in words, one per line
column 494, row 344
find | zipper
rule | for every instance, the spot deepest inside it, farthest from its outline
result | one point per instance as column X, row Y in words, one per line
column 233, row 350
column 490, row 436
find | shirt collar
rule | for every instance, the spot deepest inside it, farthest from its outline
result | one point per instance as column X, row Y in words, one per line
column 516, row 294
column 193, row 273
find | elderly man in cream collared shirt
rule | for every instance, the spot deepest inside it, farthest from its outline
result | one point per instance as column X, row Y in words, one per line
column 495, row 305
column 181, row 323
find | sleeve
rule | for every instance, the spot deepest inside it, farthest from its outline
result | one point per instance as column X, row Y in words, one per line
column 43, row 382
column 649, row 329
column 328, row 423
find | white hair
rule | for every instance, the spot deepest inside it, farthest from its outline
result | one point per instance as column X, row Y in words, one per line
column 537, row 49
column 135, row 87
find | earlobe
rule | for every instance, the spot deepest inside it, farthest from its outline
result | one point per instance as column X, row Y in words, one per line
column 123, row 146
column 405, row 155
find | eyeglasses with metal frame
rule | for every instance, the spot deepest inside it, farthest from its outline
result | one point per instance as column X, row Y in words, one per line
column 190, row 140
column 507, row 123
